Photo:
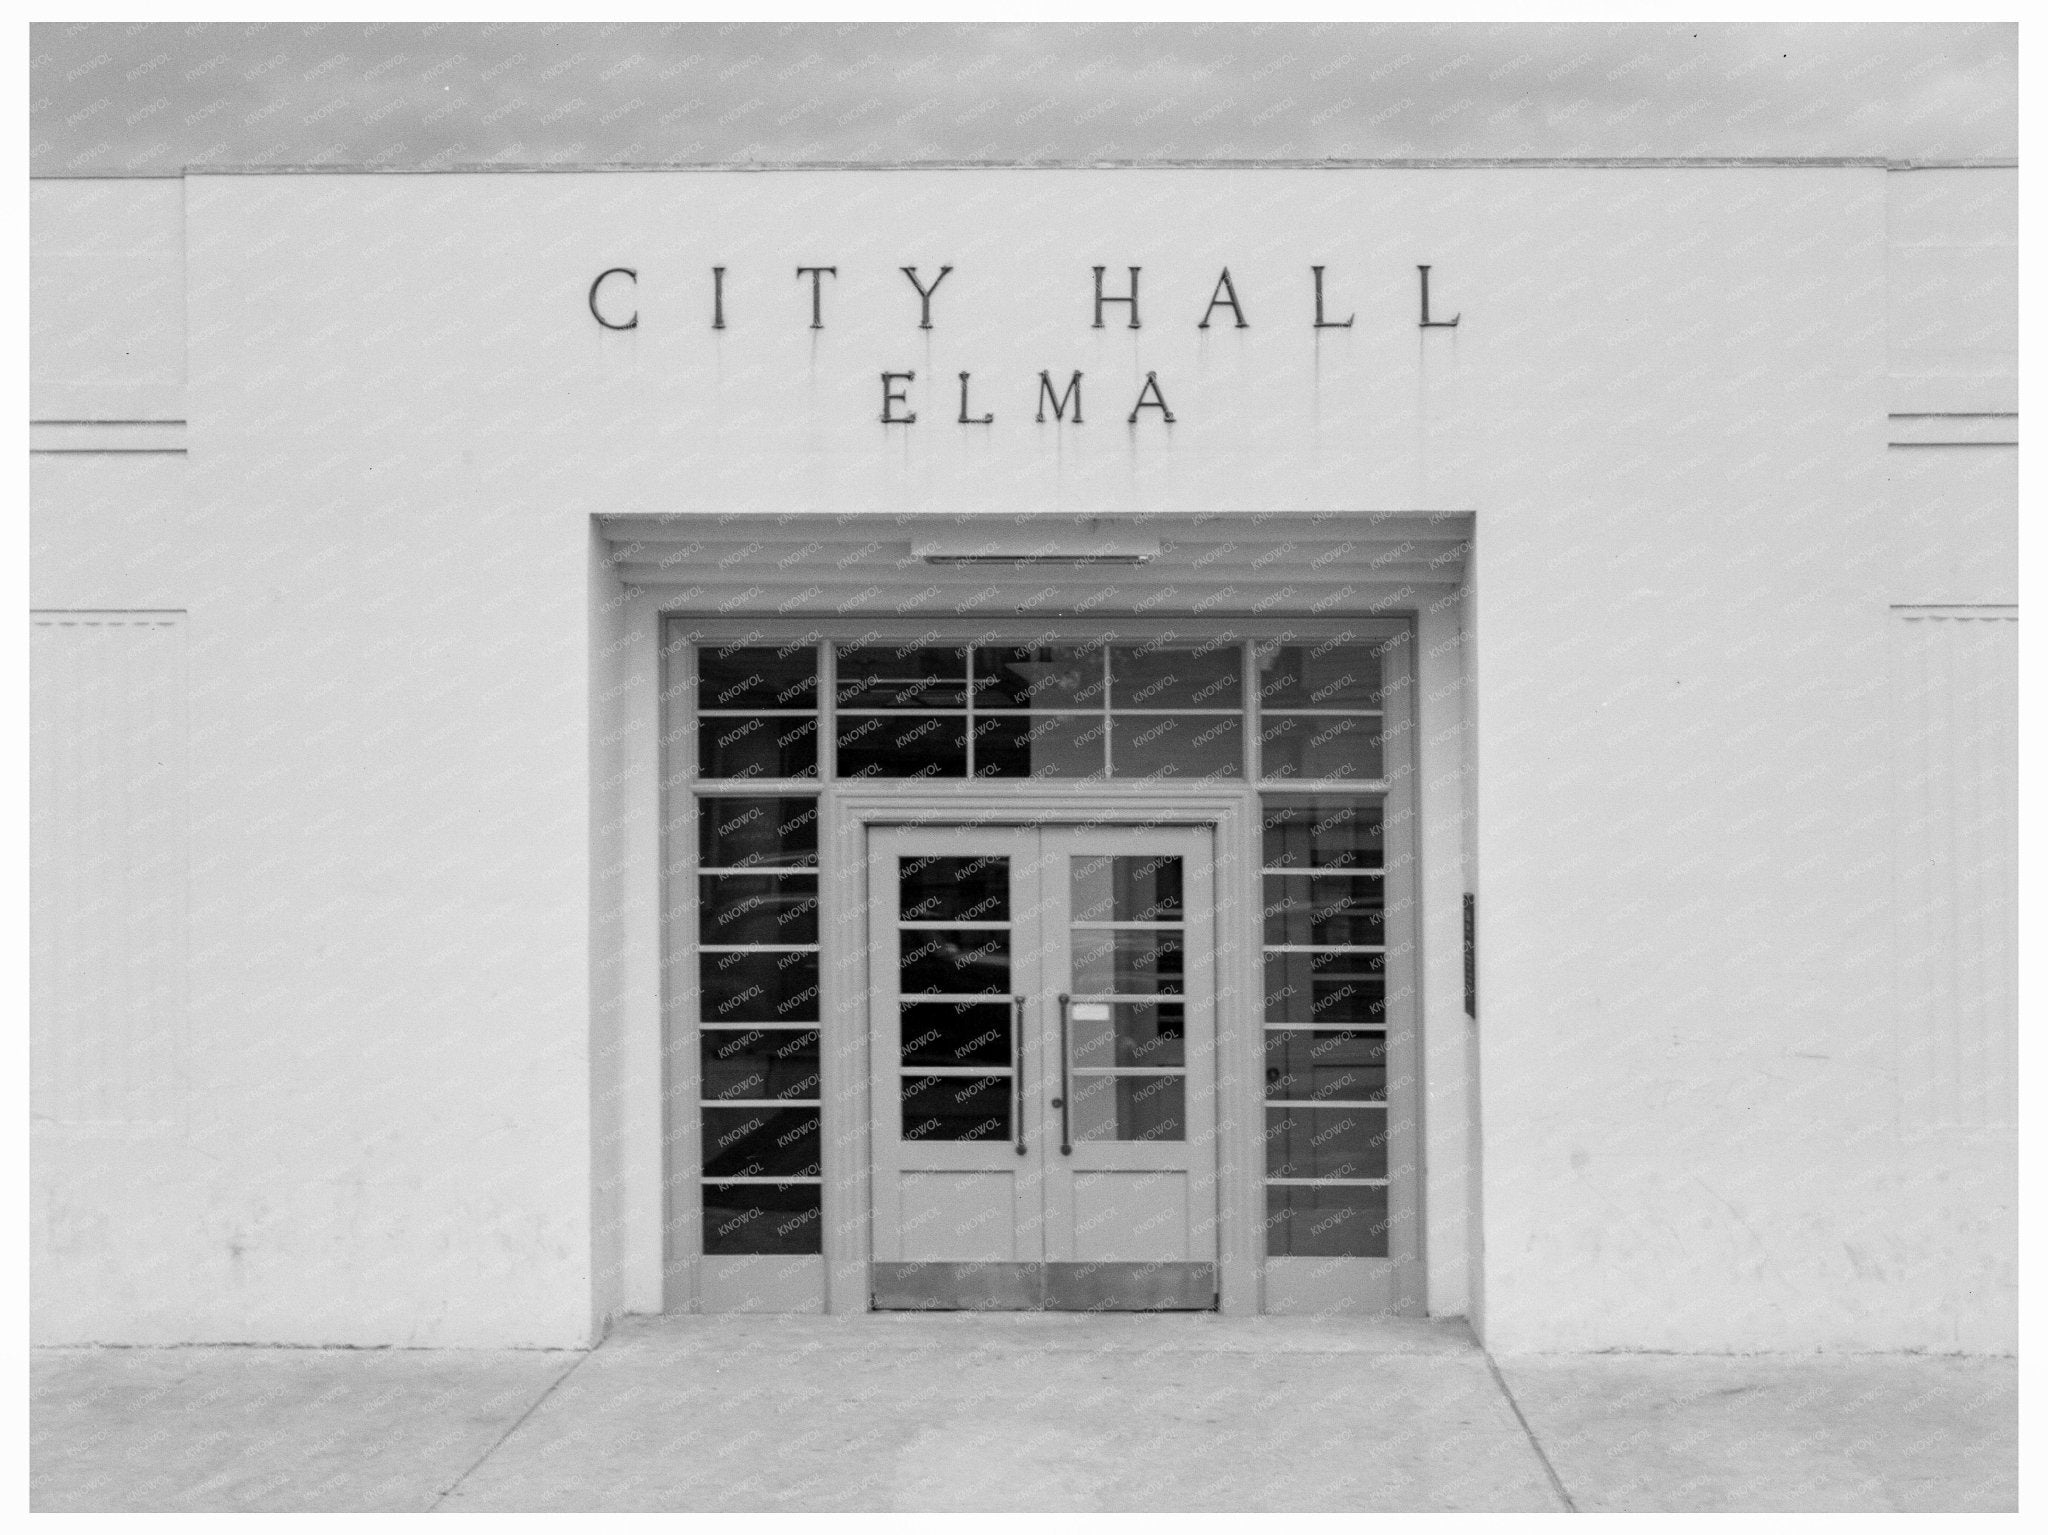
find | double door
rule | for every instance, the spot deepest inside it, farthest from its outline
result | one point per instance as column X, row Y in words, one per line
column 1043, row 1046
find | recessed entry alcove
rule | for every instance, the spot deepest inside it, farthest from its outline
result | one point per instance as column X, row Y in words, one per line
column 1046, row 916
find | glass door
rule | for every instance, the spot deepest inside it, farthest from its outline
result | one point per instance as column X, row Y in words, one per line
column 1042, row 1045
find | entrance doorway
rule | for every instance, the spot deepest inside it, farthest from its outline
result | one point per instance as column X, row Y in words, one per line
column 1042, row 1042
column 1241, row 1132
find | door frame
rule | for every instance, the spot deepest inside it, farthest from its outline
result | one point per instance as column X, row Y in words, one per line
column 1429, row 797
column 848, row 818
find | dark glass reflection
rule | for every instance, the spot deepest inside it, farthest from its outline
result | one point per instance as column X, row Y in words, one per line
column 757, row 677
column 956, row 1033
column 971, row 961
column 1040, row 746
column 757, row 908
column 1129, row 1108
column 759, row 1063
column 1162, row 676
column 1119, row 887
column 761, row 1143
column 759, row 986
column 902, row 746
column 1322, row 746
column 956, row 1108
column 901, row 677
column 1134, row 1034
column 744, row 1218
column 757, row 746
column 757, row 831
column 1138, row 962
column 938, row 889
column 1319, row 676
column 1178, row 746
column 1308, row 1221
column 1332, row 909
column 1304, row 1142
column 1315, row 986
column 1050, row 677
column 1322, row 832
column 1340, row 1064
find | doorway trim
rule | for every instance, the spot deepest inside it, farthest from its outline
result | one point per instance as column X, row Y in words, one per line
column 848, row 817
column 660, row 1267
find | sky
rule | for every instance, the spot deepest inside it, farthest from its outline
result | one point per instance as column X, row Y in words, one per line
column 155, row 98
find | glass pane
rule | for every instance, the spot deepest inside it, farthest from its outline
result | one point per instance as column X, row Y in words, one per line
column 1039, row 746
column 892, row 677
column 757, row 677
column 1331, row 909
column 1303, row 1221
column 757, row 908
column 1155, row 676
column 1333, row 746
column 1316, row 832
column 1326, row 1143
column 759, row 986
column 1342, row 1065
column 1129, row 1108
column 765, row 832
column 1038, row 677
column 759, row 1063
column 742, row 1218
column 902, row 746
column 956, row 1108
column 1132, row 1033
column 1181, row 746
column 975, row 961
column 1316, row 986
column 1320, row 676
column 953, row 889
column 759, row 746
column 1138, row 962
column 956, row 1033
column 761, row 1143
column 1122, row 887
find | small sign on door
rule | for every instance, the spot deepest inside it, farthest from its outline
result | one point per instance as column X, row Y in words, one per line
column 1091, row 1012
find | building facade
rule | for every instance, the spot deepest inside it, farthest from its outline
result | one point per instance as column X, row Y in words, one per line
column 1431, row 739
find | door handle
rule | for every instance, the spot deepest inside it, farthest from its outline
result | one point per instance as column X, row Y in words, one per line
column 1066, row 1082
column 1017, row 1072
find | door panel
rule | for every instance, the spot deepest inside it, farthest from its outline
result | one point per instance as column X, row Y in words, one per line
column 952, row 972
column 1130, row 939
column 1042, row 1048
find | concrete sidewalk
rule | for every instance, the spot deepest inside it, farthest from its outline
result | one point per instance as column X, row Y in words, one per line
column 1016, row 1412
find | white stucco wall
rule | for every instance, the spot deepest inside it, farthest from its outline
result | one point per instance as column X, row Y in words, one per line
column 1666, row 402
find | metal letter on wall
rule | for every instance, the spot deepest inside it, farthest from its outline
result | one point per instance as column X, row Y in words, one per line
column 892, row 398
column 1226, row 293
column 1427, row 322
column 1321, row 323
column 1102, row 298
column 924, row 294
column 965, row 419
column 596, row 314
column 1059, row 403
column 1150, row 396
column 817, row 299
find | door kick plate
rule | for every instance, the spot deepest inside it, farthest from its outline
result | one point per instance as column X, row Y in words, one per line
column 1043, row 1286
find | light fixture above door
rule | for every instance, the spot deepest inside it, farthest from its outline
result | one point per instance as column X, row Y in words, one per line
column 1071, row 548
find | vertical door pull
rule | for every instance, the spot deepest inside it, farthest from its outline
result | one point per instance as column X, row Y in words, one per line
column 1066, row 1082
column 1017, row 1071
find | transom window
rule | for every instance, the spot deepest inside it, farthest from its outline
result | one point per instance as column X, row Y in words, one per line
column 1150, row 710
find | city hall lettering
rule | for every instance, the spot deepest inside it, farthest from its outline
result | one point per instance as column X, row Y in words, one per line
column 612, row 305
